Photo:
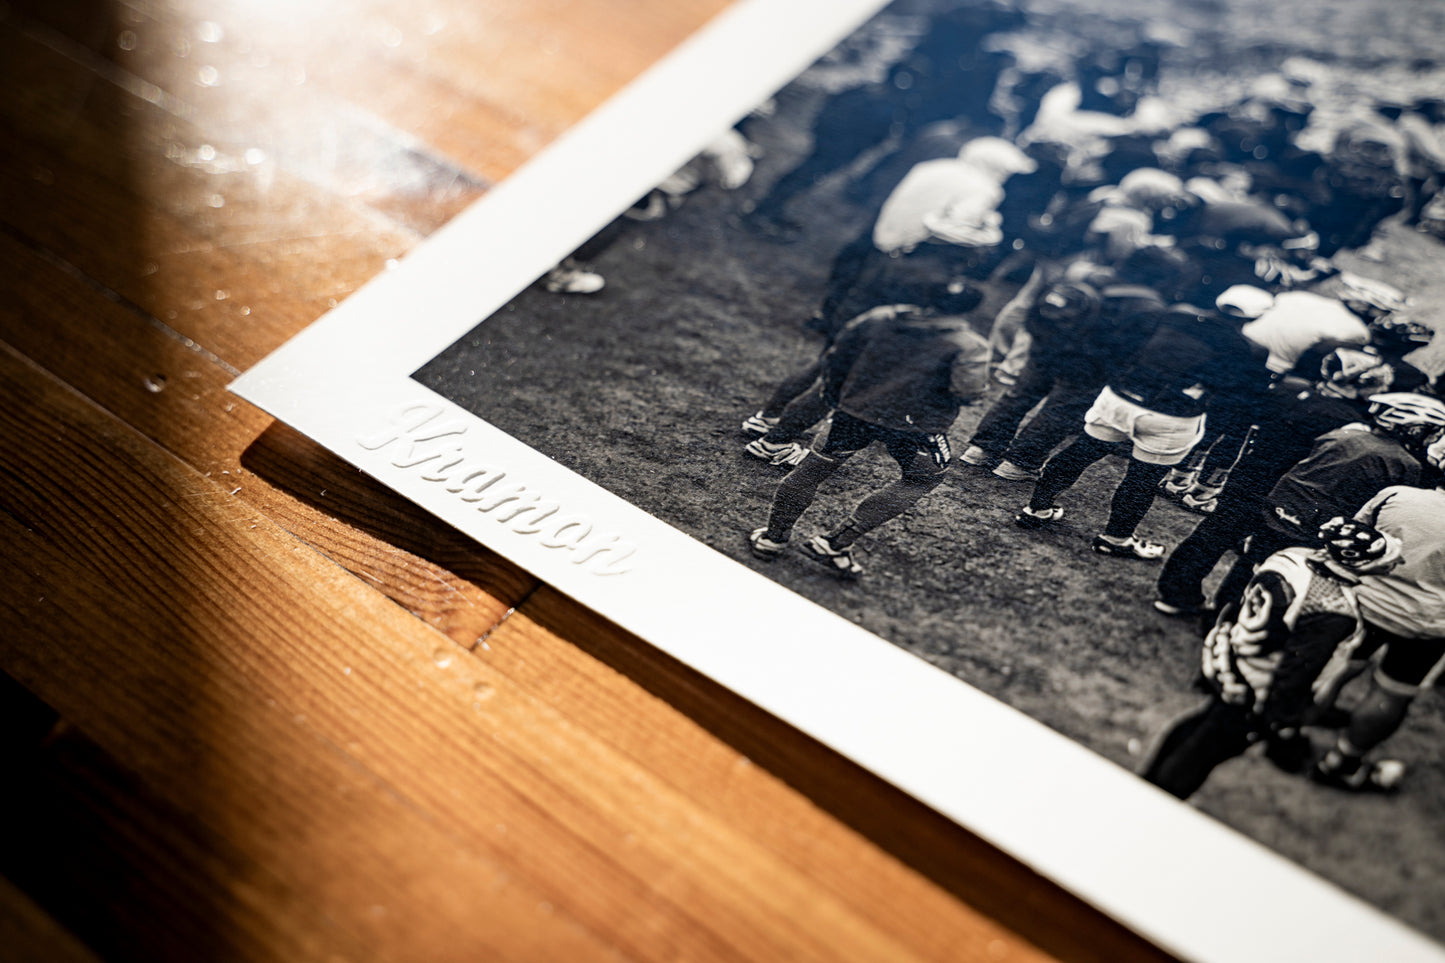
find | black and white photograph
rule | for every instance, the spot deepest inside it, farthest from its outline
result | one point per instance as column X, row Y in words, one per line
column 1060, row 347
column 1083, row 350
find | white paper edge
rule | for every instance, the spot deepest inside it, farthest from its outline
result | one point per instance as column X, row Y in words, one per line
column 1190, row 884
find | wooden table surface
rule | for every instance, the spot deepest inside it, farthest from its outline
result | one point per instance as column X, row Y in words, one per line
column 257, row 707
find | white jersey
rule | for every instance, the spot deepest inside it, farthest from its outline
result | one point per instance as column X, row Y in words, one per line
column 1409, row 600
column 934, row 192
column 1299, row 320
column 1270, row 655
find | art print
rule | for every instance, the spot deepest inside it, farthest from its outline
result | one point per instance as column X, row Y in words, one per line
column 1035, row 401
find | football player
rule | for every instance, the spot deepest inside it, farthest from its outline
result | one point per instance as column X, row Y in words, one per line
column 948, row 73
column 1285, row 430
column 1270, row 657
column 897, row 377
column 944, row 210
column 797, row 404
column 1157, row 404
column 1404, row 615
column 1081, row 328
column 1297, row 328
column 1344, row 470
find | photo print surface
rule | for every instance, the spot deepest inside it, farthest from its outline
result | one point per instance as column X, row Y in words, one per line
column 1083, row 350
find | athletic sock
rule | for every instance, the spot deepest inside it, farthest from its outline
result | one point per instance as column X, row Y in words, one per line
column 796, row 492
column 1062, row 470
column 1133, row 497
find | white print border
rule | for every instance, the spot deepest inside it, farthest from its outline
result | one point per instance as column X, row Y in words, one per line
column 1177, row 877
column 437, row 449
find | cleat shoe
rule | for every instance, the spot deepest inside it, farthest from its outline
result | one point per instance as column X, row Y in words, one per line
column 1131, row 547
column 839, row 560
column 1382, row 775
column 977, row 457
column 1008, row 471
column 1029, row 518
column 763, row 547
column 1177, row 482
column 653, row 207
column 759, row 425
column 1201, row 499
column 784, row 454
column 571, row 279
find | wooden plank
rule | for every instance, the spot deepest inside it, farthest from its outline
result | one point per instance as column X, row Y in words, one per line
column 930, row 863
column 159, row 622
column 27, row 930
column 322, row 718
column 484, row 85
column 104, row 153
column 107, row 157
column 330, row 142
column 28, row 933
column 122, row 187
column 176, row 396
column 138, row 879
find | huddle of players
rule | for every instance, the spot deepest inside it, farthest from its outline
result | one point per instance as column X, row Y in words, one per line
column 1174, row 318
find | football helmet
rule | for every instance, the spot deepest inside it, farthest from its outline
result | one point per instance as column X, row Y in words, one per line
column 1358, row 547
column 1151, row 189
column 997, row 157
column 1411, row 418
column 1068, row 301
column 1370, row 299
column 1244, row 301
column 1355, row 373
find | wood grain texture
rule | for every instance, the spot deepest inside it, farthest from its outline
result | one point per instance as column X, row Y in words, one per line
column 177, row 397
column 299, row 718
column 27, row 932
column 929, row 863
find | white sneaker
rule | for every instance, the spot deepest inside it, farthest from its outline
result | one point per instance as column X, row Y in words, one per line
column 1131, row 547
column 1177, row 482
column 784, row 454
column 840, row 560
column 976, row 456
column 763, row 547
column 1010, row 472
column 1381, row 775
column 1028, row 518
column 1201, row 499
column 653, row 207
column 570, row 279
column 759, row 424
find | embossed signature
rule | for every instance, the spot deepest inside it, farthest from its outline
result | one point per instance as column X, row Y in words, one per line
column 434, row 447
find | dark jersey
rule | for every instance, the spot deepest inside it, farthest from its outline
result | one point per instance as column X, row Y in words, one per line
column 1291, row 420
column 905, row 368
column 1086, row 351
column 1233, row 222
column 1351, row 199
column 1129, row 314
column 1345, row 469
column 1191, row 356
